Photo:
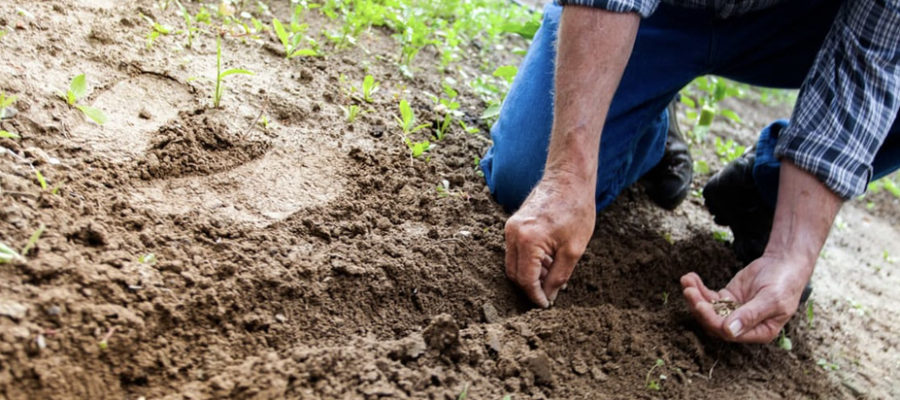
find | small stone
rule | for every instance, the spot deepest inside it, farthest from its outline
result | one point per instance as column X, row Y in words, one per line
column 491, row 315
column 579, row 366
column 12, row 309
column 144, row 114
column 598, row 374
column 493, row 341
column 539, row 364
column 53, row 311
column 41, row 341
column 280, row 318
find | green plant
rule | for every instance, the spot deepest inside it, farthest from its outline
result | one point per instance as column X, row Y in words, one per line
column 32, row 240
column 784, row 342
column 721, row 236
column 826, row 365
column 8, row 255
column 221, row 75
column 369, row 87
column 809, row 313
column 40, row 179
column 8, row 135
column 5, row 102
column 77, row 90
column 702, row 97
column 727, row 151
column 292, row 40
column 464, row 393
column 148, row 259
column 156, row 30
column 407, row 119
column 191, row 22
column 351, row 112
column 653, row 384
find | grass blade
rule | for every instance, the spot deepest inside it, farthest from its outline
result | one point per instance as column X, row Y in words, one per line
column 93, row 113
column 33, row 240
column 235, row 71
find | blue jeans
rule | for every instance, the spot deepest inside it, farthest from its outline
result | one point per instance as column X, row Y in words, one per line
column 774, row 48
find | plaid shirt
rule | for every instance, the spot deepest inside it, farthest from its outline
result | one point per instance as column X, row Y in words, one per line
column 849, row 99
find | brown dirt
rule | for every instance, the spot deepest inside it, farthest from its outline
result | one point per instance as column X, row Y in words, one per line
column 316, row 259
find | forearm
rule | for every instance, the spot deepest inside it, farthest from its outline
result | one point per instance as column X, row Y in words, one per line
column 804, row 213
column 593, row 49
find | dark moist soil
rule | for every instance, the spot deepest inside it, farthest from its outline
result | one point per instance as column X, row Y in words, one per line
column 314, row 258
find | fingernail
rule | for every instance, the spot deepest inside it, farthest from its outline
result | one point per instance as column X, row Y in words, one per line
column 551, row 303
column 735, row 327
column 565, row 286
column 553, row 296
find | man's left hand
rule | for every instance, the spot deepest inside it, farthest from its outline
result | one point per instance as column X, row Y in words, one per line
column 768, row 292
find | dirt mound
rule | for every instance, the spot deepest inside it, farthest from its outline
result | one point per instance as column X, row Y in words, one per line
column 194, row 144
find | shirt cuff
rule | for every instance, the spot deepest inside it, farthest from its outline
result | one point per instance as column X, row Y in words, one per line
column 839, row 164
column 642, row 7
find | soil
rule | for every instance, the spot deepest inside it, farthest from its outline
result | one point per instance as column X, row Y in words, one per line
column 314, row 258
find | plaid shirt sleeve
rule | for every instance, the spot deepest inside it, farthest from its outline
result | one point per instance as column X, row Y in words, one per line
column 642, row 7
column 850, row 98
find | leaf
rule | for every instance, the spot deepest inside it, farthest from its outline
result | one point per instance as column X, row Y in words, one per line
column 491, row 112
column 526, row 30
column 40, row 179
column 304, row 52
column 7, row 254
column 406, row 114
column 33, row 240
column 8, row 135
column 281, row 33
column 507, row 72
column 688, row 102
column 93, row 113
column 77, row 89
column 730, row 115
column 235, row 71
column 419, row 127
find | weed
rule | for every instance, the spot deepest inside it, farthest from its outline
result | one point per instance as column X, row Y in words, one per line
column 77, row 90
column 653, row 384
column 701, row 167
column 32, row 240
column 221, row 75
column 665, row 298
column 40, row 178
column 464, row 393
column 292, row 41
column 702, row 97
column 191, row 22
column 5, row 102
column 369, row 87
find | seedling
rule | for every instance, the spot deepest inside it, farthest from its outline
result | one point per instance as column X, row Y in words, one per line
column 40, row 178
column 8, row 135
column 221, row 75
column 826, row 365
column 369, row 87
column 32, row 241
column 464, row 393
column 191, row 22
column 77, row 90
column 156, row 30
column 653, row 384
column 5, row 102
column 291, row 41
column 148, row 259
column 728, row 151
column 809, row 313
column 721, row 236
column 351, row 112
column 784, row 342
column 407, row 119
column 701, row 167
column 8, row 255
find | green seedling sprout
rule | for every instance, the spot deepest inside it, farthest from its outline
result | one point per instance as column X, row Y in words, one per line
column 40, row 178
column 5, row 102
column 191, row 21
column 291, row 41
column 464, row 393
column 809, row 313
column 156, row 30
column 721, row 236
column 32, row 241
column 784, row 342
column 407, row 119
column 369, row 87
column 351, row 112
column 77, row 90
column 8, row 255
column 8, row 135
column 653, row 384
column 727, row 151
column 826, row 365
column 221, row 75
column 148, row 259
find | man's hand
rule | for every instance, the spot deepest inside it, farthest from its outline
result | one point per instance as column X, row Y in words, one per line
column 770, row 287
column 769, row 290
column 547, row 236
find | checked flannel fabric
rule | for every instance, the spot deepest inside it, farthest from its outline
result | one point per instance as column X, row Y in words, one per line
column 849, row 99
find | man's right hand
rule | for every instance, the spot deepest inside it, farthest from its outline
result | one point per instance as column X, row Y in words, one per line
column 547, row 236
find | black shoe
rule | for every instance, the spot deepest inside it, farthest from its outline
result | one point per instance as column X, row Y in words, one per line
column 669, row 182
column 734, row 201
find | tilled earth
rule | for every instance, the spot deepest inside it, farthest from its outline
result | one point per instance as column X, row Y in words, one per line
column 314, row 258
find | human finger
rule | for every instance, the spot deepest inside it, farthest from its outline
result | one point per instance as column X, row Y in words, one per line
column 528, row 274
column 702, row 310
column 560, row 272
column 749, row 320
column 691, row 279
